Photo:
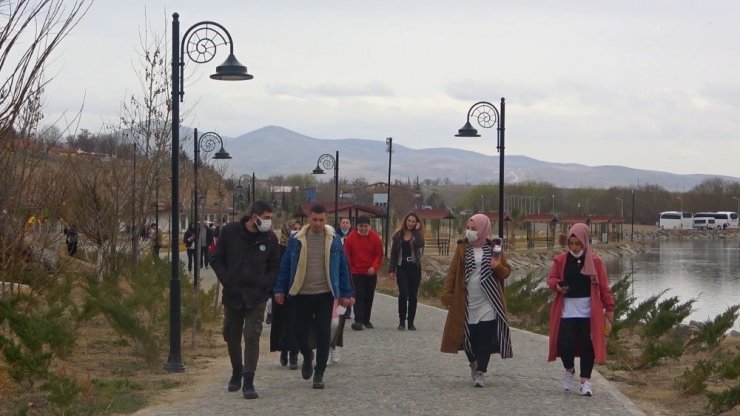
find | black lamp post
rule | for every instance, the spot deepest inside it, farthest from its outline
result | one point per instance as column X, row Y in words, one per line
column 330, row 162
column 199, row 44
column 487, row 116
column 389, row 149
column 249, row 181
column 207, row 143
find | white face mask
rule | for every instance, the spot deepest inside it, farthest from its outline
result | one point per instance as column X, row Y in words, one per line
column 293, row 232
column 576, row 255
column 263, row 225
column 472, row 235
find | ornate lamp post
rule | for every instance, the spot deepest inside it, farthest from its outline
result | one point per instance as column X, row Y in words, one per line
column 207, row 143
column 389, row 149
column 330, row 162
column 249, row 181
column 487, row 116
column 199, row 44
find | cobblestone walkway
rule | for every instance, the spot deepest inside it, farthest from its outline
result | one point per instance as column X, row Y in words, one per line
column 384, row 371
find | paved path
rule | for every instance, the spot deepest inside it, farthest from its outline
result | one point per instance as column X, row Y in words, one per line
column 384, row 371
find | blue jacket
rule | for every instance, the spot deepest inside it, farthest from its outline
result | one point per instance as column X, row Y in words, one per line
column 293, row 270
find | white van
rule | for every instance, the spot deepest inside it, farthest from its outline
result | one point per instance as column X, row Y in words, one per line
column 670, row 220
column 704, row 223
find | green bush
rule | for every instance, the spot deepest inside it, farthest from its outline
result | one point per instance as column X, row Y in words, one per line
column 431, row 286
column 657, row 350
column 694, row 380
column 724, row 400
column 713, row 331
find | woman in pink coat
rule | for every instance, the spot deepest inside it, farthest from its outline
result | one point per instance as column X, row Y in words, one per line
column 583, row 301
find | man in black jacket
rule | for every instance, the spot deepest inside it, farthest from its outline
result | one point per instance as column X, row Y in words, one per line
column 246, row 263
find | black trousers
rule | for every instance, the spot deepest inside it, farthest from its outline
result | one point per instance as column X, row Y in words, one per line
column 314, row 312
column 191, row 256
column 365, row 285
column 246, row 323
column 205, row 257
column 481, row 339
column 408, row 278
column 574, row 336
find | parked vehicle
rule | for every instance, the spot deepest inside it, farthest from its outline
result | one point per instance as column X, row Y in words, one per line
column 727, row 217
column 704, row 223
column 670, row 220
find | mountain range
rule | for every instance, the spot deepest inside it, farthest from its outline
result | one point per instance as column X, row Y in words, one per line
column 276, row 150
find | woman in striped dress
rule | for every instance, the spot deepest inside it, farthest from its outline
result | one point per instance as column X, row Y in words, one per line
column 477, row 321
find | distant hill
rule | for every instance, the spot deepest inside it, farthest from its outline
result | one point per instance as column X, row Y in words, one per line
column 277, row 150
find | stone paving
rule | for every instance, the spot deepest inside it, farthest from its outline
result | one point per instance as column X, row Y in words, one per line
column 384, row 371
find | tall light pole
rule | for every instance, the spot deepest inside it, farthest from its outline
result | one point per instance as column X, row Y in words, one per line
column 207, row 143
column 632, row 231
column 328, row 162
column 738, row 204
column 621, row 206
column 680, row 209
column 199, row 44
column 389, row 149
column 249, row 181
column 487, row 116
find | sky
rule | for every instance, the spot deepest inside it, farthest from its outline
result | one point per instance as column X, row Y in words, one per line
column 645, row 84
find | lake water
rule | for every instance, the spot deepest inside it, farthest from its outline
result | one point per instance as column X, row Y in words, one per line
column 706, row 269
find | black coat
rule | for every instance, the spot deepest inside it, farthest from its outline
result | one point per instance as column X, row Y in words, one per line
column 246, row 264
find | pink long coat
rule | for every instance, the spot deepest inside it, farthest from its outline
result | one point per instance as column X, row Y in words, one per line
column 601, row 300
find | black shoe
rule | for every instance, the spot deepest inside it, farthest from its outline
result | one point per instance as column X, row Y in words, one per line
column 318, row 380
column 401, row 326
column 411, row 326
column 293, row 360
column 235, row 382
column 248, row 390
column 357, row 326
column 307, row 367
column 368, row 325
column 283, row 358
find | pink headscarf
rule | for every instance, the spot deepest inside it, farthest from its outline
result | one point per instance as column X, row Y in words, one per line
column 582, row 232
column 483, row 225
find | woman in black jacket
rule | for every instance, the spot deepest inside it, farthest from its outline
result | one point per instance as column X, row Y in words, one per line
column 405, row 267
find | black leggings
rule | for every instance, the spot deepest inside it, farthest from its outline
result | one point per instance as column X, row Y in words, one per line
column 408, row 278
column 574, row 336
column 481, row 340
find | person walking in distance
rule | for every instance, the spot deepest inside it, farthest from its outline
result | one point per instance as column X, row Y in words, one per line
column 205, row 237
column 583, row 304
column 473, row 294
column 313, row 272
column 364, row 251
column 246, row 262
column 189, row 238
column 405, row 267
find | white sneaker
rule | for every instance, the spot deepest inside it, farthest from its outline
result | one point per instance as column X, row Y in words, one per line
column 334, row 355
column 585, row 389
column 568, row 380
column 480, row 380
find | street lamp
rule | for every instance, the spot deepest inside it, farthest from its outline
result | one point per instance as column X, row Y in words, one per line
column 389, row 149
column 487, row 116
column 621, row 206
column 249, row 181
column 328, row 162
column 680, row 199
column 207, row 143
column 738, row 203
column 199, row 44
